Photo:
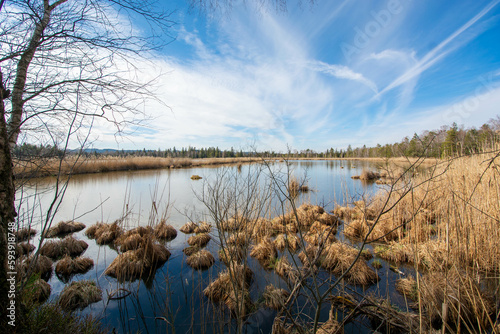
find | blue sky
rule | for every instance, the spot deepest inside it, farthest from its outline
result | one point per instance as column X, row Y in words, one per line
column 324, row 75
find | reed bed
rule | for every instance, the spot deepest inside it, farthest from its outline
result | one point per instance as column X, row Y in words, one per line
column 274, row 298
column 67, row 246
column 70, row 165
column 285, row 270
column 264, row 251
column 232, row 253
column 201, row 260
column 79, row 295
column 67, row 266
column 287, row 241
column 63, row 228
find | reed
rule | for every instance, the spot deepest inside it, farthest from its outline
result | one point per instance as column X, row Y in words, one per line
column 165, row 231
column 203, row 227
column 188, row 228
column 287, row 241
column 40, row 264
column 264, row 251
column 232, row 253
column 24, row 248
column 104, row 234
column 24, row 234
column 39, row 291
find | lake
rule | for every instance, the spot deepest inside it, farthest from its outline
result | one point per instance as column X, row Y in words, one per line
column 173, row 298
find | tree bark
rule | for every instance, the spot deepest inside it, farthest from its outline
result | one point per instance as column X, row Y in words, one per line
column 7, row 207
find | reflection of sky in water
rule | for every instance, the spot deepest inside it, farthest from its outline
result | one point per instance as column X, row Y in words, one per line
column 175, row 292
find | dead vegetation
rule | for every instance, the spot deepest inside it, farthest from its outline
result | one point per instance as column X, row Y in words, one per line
column 188, row 228
column 265, row 252
column 201, row 260
column 42, row 266
column 105, row 234
column 67, row 246
column 274, row 297
column 79, row 295
column 63, row 228
column 67, row 266
column 24, row 248
column 24, row 234
column 287, row 241
column 39, row 291
column 202, row 227
column 165, row 231
column 140, row 263
column 199, row 240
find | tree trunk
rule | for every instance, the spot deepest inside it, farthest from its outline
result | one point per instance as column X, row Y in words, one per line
column 7, row 208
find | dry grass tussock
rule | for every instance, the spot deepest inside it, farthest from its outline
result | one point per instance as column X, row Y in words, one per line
column 290, row 241
column 25, row 233
column 202, row 259
column 231, row 288
column 79, row 295
column 200, row 240
column 104, row 234
column 67, row 266
column 42, row 266
column 188, row 228
column 203, row 227
column 264, row 251
column 190, row 250
column 274, row 297
column 232, row 253
column 139, row 263
column 67, row 246
column 24, row 248
column 39, row 291
column 285, row 270
column 165, row 231
column 64, row 227
column 84, row 165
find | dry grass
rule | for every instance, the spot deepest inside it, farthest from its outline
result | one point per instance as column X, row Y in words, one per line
column 24, row 234
column 67, row 266
column 264, row 251
column 200, row 240
column 188, row 228
column 201, row 260
column 274, row 297
column 196, row 177
column 39, row 291
column 408, row 287
column 191, row 250
column 79, row 295
column 67, row 246
column 164, row 231
column 285, row 270
column 232, row 253
column 104, row 234
column 203, row 227
column 42, row 266
column 238, row 239
column 89, row 165
column 138, row 263
column 288, row 241
column 467, row 305
column 63, row 228
column 24, row 248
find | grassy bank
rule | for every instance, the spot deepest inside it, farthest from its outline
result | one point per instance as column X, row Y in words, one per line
column 71, row 165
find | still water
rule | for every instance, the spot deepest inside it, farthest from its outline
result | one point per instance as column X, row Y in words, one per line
column 173, row 299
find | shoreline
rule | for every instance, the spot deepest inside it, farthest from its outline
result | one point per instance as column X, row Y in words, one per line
column 71, row 166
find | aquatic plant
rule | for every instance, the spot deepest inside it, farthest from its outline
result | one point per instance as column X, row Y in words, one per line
column 79, row 295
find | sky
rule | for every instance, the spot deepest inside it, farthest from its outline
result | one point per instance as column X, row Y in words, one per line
column 321, row 75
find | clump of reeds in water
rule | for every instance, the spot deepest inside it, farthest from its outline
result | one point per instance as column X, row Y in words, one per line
column 64, row 228
column 200, row 240
column 295, row 187
column 274, row 297
column 289, row 241
column 67, row 246
column 202, row 227
column 38, row 291
column 24, row 248
column 367, row 175
column 232, row 253
column 25, row 233
column 191, row 250
column 195, row 177
column 202, row 259
column 238, row 239
column 134, row 238
column 285, row 270
column 188, row 228
column 231, row 288
column 104, row 234
column 339, row 258
column 408, row 287
column 265, row 252
column 67, row 266
column 79, row 295
column 165, row 231
column 139, row 263
column 40, row 264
